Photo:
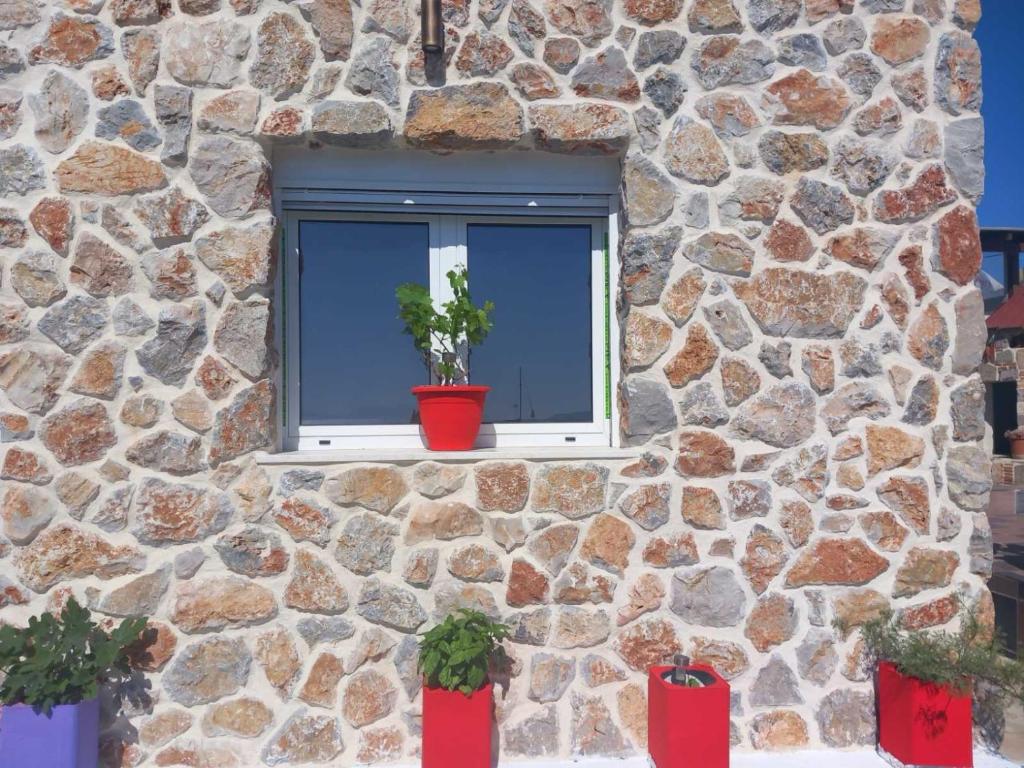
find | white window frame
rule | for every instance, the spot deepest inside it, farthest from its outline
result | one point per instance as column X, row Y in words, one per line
column 449, row 216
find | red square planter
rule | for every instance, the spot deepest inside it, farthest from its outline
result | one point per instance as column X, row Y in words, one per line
column 923, row 723
column 457, row 728
column 687, row 727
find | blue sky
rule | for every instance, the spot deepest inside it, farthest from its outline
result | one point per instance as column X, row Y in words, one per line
column 1002, row 71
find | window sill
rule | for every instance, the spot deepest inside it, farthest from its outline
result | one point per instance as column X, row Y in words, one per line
column 412, row 456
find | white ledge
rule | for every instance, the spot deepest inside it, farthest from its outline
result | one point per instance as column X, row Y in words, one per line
column 414, row 455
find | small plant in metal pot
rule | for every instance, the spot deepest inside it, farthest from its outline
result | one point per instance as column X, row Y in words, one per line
column 450, row 411
column 924, row 685
column 687, row 715
column 52, row 671
column 456, row 659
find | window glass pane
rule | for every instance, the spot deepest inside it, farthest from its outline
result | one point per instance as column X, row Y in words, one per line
column 537, row 359
column 991, row 280
column 356, row 365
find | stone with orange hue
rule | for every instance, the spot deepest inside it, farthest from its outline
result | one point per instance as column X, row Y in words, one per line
column 764, row 558
column 25, row 511
column 472, row 116
column 283, row 123
column 671, row 551
column 957, row 253
column 693, row 153
column 305, row 520
column 177, row 513
column 739, row 380
column 958, row 73
column 730, row 115
column 65, row 552
column 589, row 20
column 932, row 614
column 160, row 728
column 54, row 221
column 779, row 729
column 572, row 490
column 651, row 12
column 923, row 196
column 526, row 585
column 15, row 426
column 552, row 546
column 475, row 563
column 215, row 378
column 243, row 717
column 25, row 467
column 501, row 486
column 883, row 530
column 632, row 705
column 156, row 646
column 580, row 584
column 857, row 607
column 804, row 98
column 576, row 627
column 376, row 488
column 534, row 82
column 78, row 433
column 696, row 357
column 646, row 643
column 899, row 39
column 924, row 569
column 680, row 299
column 772, row 621
column 442, row 520
column 728, row 658
column 277, row 655
column 891, row 447
column 72, row 41
column 305, row 738
column 645, row 338
column 796, row 521
column 608, row 543
column 836, row 561
column 368, row 697
column 380, row 745
column 99, row 373
column 862, row 247
column 313, row 587
column 645, row 595
column 928, row 337
column 321, row 686
column 786, row 241
column 588, row 128
column 107, row 169
column 221, row 602
column 704, row 454
column 787, row 302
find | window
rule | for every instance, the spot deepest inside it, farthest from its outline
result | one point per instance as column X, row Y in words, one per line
column 349, row 367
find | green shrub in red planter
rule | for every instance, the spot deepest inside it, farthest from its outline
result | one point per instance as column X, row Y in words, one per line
column 450, row 412
column 52, row 672
column 455, row 659
column 924, row 687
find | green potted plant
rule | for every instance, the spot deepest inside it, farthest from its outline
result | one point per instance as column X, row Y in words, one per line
column 1016, row 438
column 52, row 670
column 455, row 660
column 450, row 411
column 924, row 684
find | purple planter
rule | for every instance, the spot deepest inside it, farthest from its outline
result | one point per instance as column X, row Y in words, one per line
column 68, row 738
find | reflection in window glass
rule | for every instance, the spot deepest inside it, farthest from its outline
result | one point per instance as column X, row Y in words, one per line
column 537, row 360
column 991, row 280
column 356, row 366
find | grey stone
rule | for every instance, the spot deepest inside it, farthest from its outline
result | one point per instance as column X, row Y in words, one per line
column 884, row 6
column 130, row 319
column 367, row 544
column 31, row 510
column 127, row 120
column 783, row 416
column 776, row 685
column 526, row 26
column 965, row 155
column 304, row 738
column 352, row 123
column 171, row 274
column 646, row 409
column 647, row 123
column 550, row 676
column 823, row 207
column 708, row 596
column 205, row 54
column 787, row 152
column 700, row 406
column 726, row 320
column 169, row 452
column 188, row 563
column 727, row 61
column 252, row 551
column 775, row 358
column 922, row 402
column 11, row 62
column 767, row 16
column 405, row 661
column 453, row 595
column 959, row 57
column 243, row 426
column 112, row 514
column 32, row 376
column 173, row 107
column 860, row 360
column 861, row 164
column 860, row 73
column 853, row 400
column 847, row 718
column 21, row 171
column 594, row 731
column 300, row 480
column 241, row 335
column 530, row 627
column 696, row 210
column 666, row 90
column 646, row 260
column 816, row 656
column 967, row 409
column 373, row 73
column 324, row 629
column 606, row 75
column 180, row 338
column 171, row 216
column 979, row 548
column 753, row 199
column 844, row 34
column 61, row 109
column 435, row 480
column 139, row 597
column 970, row 332
column 75, row 323
column 648, row 194
column 805, row 473
column 658, row 46
column 390, row 606
column 233, row 176
column 10, row 108
column 537, row 735
column 141, row 47
column 969, row 477
column 803, row 50
column 35, row 277
column 207, row 670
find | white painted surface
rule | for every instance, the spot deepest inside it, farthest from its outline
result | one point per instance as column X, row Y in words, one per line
column 403, row 455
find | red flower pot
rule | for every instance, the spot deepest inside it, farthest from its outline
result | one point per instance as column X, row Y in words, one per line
column 457, row 728
column 923, row 723
column 450, row 416
column 687, row 727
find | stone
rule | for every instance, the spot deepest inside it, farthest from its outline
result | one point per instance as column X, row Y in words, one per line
column 207, row 670
column 580, row 584
column 141, row 49
column 562, row 54
column 79, row 433
column 244, row 425
column 646, row 338
column 928, row 337
column 574, row 491
column 778, row 730
column 368, row 697
column 305, row 738
column 860, row 73
column 883, row 530
column 171, row 274
column 389, row 606
column 207, row 53
column 173, row 107
column 534, row 82
column 693, row 153
column 708, row 596
column 804, row 98
column 99, row 168
column 99, row 269
column 526, row 585
column 60, row 109
column 241, row 335
column 899, row 39
column 771, row 622
column 232, row 175
column 550, row 676
column 927, row 193
column 474, row 116
column 441, row 520
column 174, row 513
column 700, row 406
column 721, row 252
column 71, row 41
column 180, row 337
column 593, row 732
column 64, row 552
column 126, row 120
column 553, row 545
column 958, row 250
column 242, row 717
column 958, row 73
column 649, row 195
column 589, row 20
column 702, row 509
column 35, row 278
column 304, row 520
column 963, row 155
column 252, row 552
column 836, row 561
column 704, row 454
column 660, row 46
column 21, row 171
column 221, row 602
column 680, row 300
column 501, row 486
column 863, row 247
column 695, row 358
column 847, row 718
column 607, row 544
column 216, row 381
column 475, row 563
column 276, row 653
column 862, row 165
column 725, row 60
column 319, row 629
column 783, row 416
column 792, row 303
column 366, row 544
column 765, row 557
column 420, row 567
column 646, row 643
column 53, row 220
column 171, row 216
column 882, row 118
column 646, row 261
column 822, row 207
column 908, row 497
column 891, row 447
column 534, row 736
column 25, row 511
column 967, row 473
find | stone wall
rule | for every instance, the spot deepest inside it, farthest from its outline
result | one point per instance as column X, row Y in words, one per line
column 800, row 339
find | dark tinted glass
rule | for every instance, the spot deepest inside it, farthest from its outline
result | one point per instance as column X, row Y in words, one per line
column 356, row 365
column 537, row 358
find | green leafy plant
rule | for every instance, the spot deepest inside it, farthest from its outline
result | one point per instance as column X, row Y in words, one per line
column 63, row 660
column 444, row 334
column 954, row 659
column 457, row 653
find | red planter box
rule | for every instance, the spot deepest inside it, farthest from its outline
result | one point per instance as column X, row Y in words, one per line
column 450, row 416
column 923, row 723
column 687, row 727
column 457, row 728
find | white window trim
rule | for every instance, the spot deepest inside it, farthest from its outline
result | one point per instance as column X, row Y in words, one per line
column 455, row 209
